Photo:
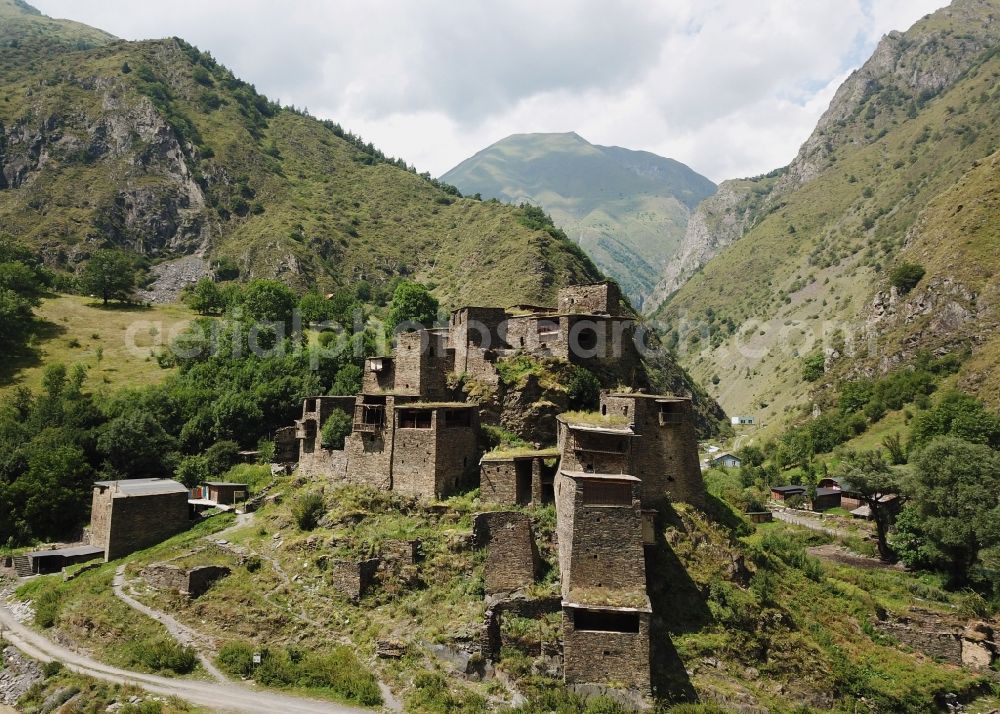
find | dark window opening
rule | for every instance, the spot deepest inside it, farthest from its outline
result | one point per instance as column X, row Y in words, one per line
column 671, row 413
column 522, row 474
column 414, row 419
column 547, row 326
column 309, row 443
column 587, row 339
column 601, row 621
column 604, row 409
column 607, row 493
column 369, row 417
column 599, row 443
column 458, row 417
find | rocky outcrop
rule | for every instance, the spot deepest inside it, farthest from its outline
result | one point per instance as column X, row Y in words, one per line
column 171, row 277
column 719, row 220
column 918, row 64
column 17, row 675
column 156, row 207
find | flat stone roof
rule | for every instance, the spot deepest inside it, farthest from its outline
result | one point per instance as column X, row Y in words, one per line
column 607, row 599
column 435, row 405
column 69, row 552
column 588, row 476
column 143, row 487
column 618, row 430
column 223, row 483
column 656, row 397
column 514, row 454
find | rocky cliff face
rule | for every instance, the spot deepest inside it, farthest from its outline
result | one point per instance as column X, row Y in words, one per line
column 899, row 169
column 718, row 221
column 154, row 207
column 913, row 66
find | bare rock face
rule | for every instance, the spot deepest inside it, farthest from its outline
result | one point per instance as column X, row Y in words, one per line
column 979, row 647
column 158, row 207
column 530, row 412
column 17, row 675
column 918, row 63
column 718, row 221
column 172, row 277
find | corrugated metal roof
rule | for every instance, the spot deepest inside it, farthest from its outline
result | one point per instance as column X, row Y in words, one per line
column 143, row 486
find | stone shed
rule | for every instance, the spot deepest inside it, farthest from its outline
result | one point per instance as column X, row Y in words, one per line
column 191, row 582
column 133, row 514
column 225, row 492
column 518, row 478
column 353, row 578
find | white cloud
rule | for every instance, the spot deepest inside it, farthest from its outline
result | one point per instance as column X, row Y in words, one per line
column 731, row 87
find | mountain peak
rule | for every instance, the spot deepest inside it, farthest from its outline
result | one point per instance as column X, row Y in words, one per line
column 626, row 208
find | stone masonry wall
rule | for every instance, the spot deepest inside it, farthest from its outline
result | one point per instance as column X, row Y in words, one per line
column 598, row 298
column 512, row 556
column 943, row 645
column 607, row 549
column 192, row 582
column 413, row 462
column 353, row 578
column 565, row 491
column 139, row 522
column 383, row 381
column 324, row 463
column 616, row 658
column 663, row 456
column 100, row 518
column 522, row 333
column 456, row 456
column 286, row 446
column 498, row 482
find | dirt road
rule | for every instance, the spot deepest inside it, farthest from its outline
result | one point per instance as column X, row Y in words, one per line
column 214, row 695
column 180, row 632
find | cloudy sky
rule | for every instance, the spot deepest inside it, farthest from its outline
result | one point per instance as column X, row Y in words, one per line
column 730, row 87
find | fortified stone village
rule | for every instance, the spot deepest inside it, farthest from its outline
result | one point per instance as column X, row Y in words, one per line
column 416, row 431
column 608, row 474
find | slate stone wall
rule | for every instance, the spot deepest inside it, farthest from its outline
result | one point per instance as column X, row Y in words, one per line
column 620, row 659
column 512, row 555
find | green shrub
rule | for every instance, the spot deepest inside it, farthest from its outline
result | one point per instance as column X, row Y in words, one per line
column 337, row 671
column 164, row 654
column 905, row 276
column 221, row 456
column 265, row 451
column 51, row 669
column 236, row 658
column 48, row 604
column 432, row 694
column 583, row 389
column 336, row 429
column 813, row 367
column 308, row 510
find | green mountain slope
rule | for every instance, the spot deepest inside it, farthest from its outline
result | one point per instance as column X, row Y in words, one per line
column 154, row 146
column 627, row 209
column 806, row 250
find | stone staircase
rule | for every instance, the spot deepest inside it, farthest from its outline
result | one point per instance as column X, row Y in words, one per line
column 22, row 566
